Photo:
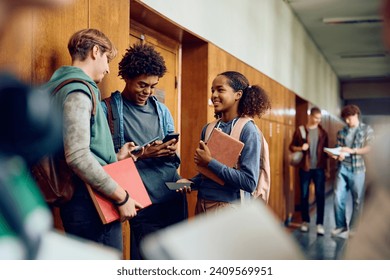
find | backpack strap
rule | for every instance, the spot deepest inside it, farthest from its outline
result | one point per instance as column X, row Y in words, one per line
column 238, row 126
column 113, row 119
column 303, row 132
column 110, row 120
column 75, row 80
column 209, row 129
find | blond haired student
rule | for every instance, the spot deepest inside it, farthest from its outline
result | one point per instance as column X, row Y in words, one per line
column 88, row 144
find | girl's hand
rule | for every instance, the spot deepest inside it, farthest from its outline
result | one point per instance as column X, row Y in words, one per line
column 202, row 155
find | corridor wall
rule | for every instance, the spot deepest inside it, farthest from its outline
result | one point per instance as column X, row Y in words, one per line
column 266, row 35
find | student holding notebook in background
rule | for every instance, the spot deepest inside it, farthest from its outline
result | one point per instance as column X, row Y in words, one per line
column 233, row 97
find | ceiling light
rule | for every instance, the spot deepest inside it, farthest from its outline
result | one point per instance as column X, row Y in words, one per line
column 353, row 20
column 364, row 55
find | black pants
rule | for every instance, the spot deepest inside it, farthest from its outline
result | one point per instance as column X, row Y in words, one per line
column 154, row 218
column 318, row 177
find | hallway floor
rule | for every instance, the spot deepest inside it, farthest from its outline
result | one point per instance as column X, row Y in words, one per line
column 317, row 247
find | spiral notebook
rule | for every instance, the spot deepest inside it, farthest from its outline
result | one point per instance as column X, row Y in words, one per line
column 125, row 173
column 225, row 149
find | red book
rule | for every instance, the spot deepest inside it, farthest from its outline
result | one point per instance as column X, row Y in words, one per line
column 125, row 173
column 225, row 149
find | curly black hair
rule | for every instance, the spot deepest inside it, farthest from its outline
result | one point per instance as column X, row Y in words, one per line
column 254, row 101
column 141, row 59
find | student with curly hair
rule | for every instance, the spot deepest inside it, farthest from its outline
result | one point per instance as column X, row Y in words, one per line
column 355, row 140
column 233, row 97
column 141, row 117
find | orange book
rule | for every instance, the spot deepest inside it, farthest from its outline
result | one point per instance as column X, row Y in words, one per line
column 224, row 149
column 125, row 173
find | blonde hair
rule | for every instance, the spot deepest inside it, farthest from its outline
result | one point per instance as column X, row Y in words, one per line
column 84, row 40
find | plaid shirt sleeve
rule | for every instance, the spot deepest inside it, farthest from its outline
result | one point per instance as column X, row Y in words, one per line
column 364, row 137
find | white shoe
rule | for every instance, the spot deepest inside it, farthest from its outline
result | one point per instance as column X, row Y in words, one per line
column 304, row 227
column 320, row 229
column 338, row 231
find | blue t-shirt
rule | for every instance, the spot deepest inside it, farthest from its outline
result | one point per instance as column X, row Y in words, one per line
column 140, row 124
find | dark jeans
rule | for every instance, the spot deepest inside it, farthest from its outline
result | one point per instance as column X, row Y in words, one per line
column 80, row 217
column 154, row 218
column 318, row 177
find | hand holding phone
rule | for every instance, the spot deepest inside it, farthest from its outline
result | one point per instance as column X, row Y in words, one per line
column 139, row 147
column 171, row 136
column 173, row 186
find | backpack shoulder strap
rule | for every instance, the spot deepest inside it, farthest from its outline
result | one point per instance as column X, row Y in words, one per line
column 113, row 118
column 238, row 126
column 110, row 120
column 75, row 80
column 303, row 132
column 209, row 129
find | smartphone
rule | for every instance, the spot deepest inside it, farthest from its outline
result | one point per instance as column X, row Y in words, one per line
column 173, row 186
column 143, row 145
column 171, row 136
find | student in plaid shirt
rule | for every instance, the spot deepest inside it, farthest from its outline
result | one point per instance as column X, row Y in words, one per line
column 355, row 139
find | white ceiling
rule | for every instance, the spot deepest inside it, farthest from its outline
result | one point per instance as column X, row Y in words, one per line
column 354, row 50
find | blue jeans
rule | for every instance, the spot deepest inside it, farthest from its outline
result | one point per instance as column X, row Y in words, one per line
column 348, row 181
column 80, row 217
column 318, row 177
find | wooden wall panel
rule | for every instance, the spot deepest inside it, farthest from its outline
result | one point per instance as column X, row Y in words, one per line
column 114, row 21
column 51, row 36
column 290, row 108
column 288, row 176
column 276, row 96
column 53, row 29
column 16, row 45
column 194, row 108
column 277, row 197
column 195, row 98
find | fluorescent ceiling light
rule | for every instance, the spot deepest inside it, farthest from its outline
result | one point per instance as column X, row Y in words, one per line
column 352, row 20
column 364, row 55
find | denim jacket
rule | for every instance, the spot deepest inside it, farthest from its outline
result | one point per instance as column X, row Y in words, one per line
column 166, row 121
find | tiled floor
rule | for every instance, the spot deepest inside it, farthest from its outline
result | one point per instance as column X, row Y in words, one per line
column 317, row 247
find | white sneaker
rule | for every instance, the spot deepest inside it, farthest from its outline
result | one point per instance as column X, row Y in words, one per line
column 320, row 229
column 338, row 231
column 304, row 227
